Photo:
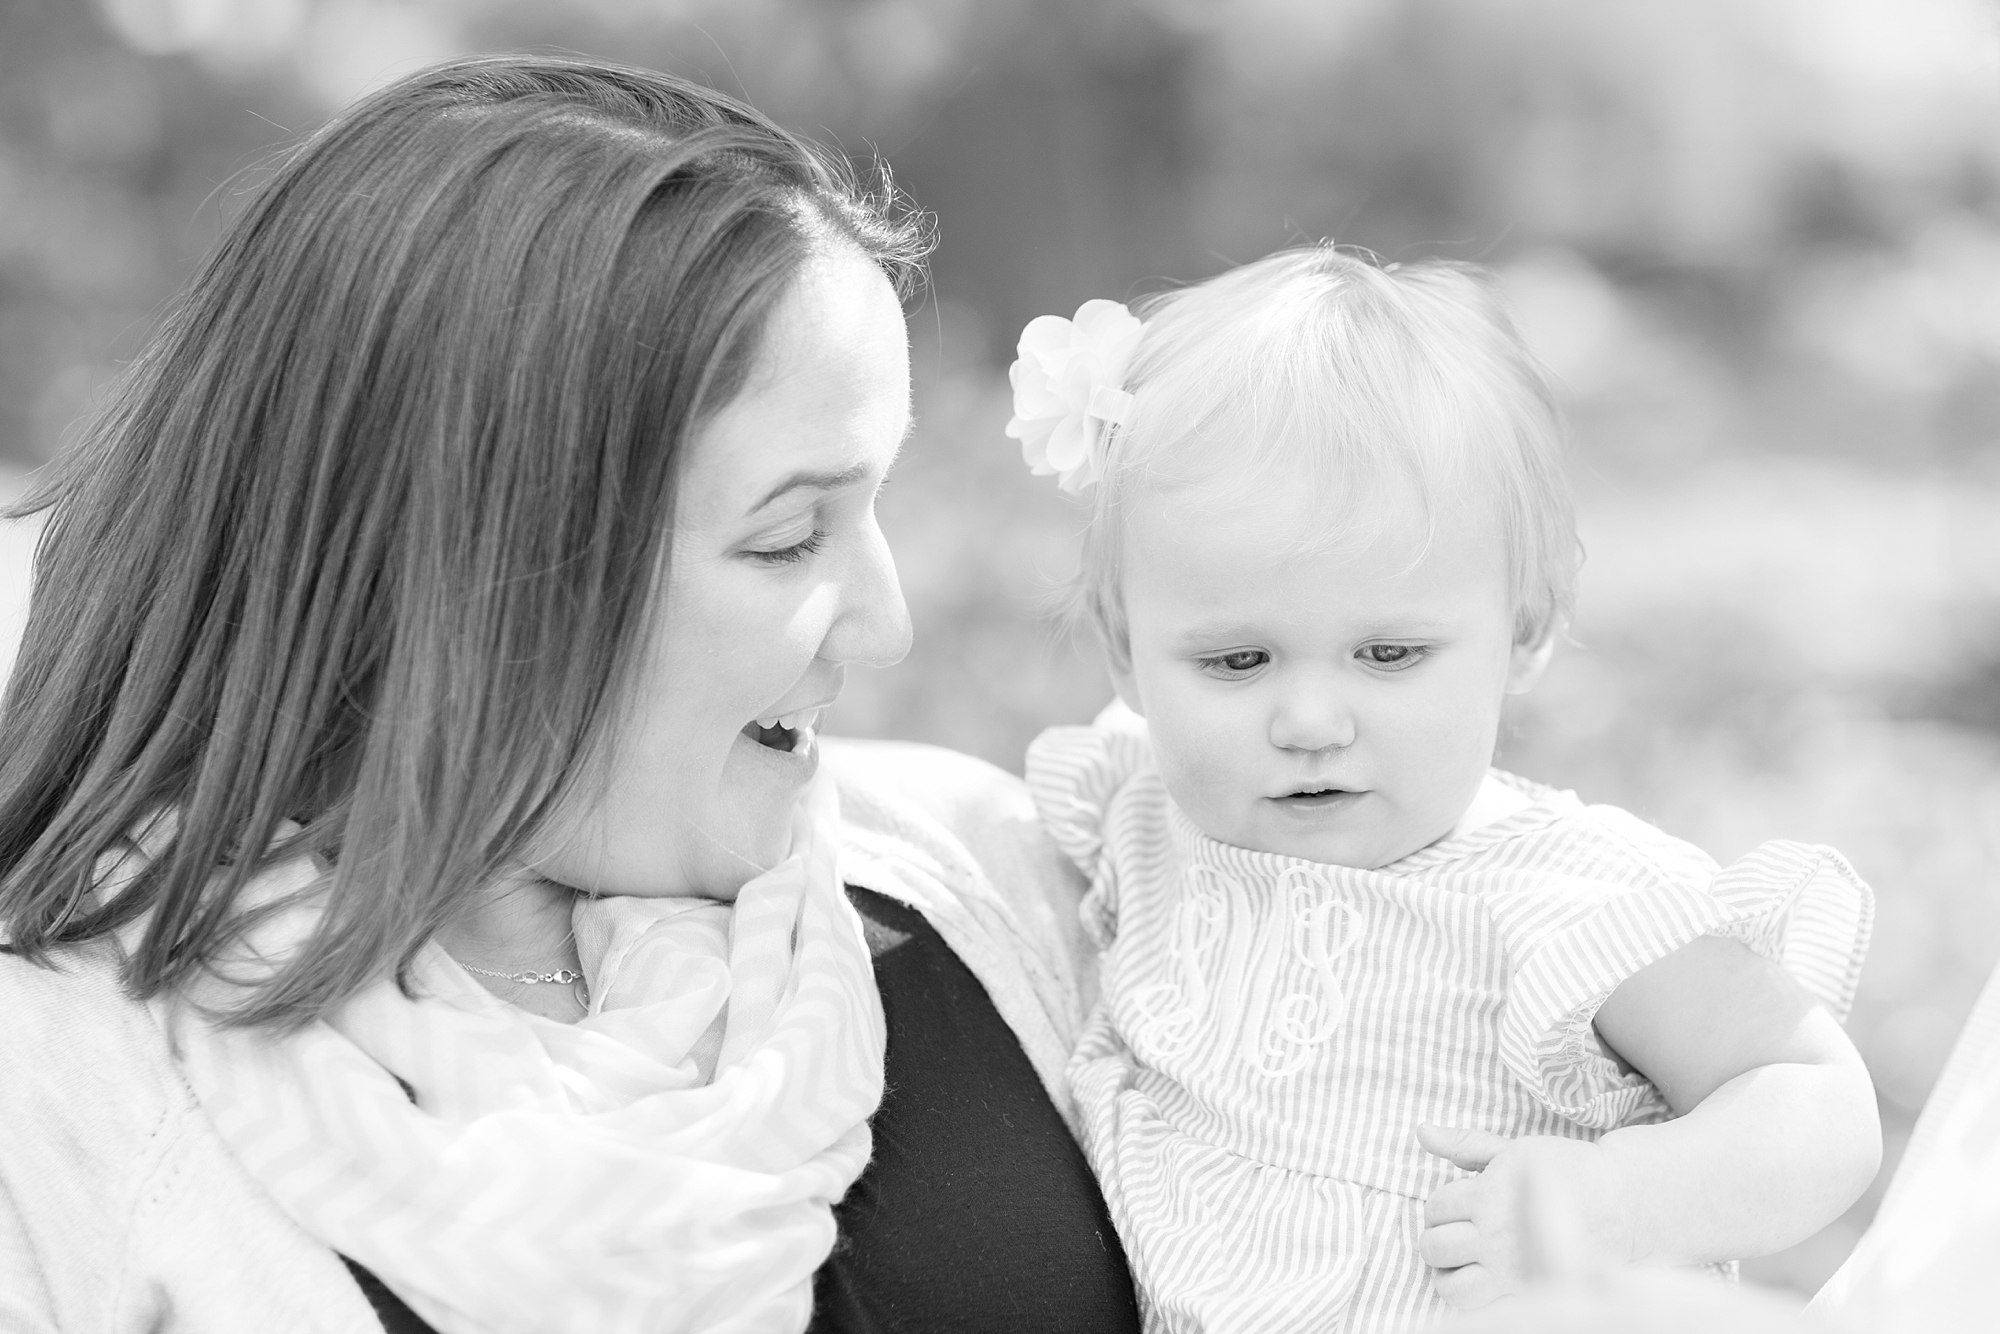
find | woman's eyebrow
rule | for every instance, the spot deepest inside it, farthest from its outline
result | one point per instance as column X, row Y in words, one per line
column 815, row 481
column 835, row 479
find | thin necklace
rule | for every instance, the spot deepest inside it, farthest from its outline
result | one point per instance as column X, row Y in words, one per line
column 528, row 977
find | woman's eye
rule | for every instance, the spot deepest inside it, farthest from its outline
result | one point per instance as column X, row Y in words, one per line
column 1242, row 660
column 794, row 553
column 1391, row 655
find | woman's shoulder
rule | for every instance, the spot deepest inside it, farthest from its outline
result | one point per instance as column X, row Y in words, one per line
column 952, row 787
column 123, row 1209
column 959, row 839
column 83, row 1065
column 981, row 807
column 70, row 1013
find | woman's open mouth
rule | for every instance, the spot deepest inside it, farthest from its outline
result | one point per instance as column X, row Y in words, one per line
column 786, row 733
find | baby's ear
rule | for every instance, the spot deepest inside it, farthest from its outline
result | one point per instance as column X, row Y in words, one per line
column 1119, row 665
column 1529, row 661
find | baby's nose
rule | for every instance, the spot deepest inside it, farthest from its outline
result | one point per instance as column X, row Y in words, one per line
column 1313, row 722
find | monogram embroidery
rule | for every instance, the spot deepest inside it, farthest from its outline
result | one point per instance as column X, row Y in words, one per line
column 1322, row 929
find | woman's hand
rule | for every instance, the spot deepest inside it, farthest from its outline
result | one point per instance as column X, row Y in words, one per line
column 1482, row 1233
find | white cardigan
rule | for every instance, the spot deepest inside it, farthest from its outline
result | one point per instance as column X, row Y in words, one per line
column 121, row 1210
column 1925, row 1264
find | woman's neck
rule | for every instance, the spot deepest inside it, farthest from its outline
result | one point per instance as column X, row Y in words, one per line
column 521, row 925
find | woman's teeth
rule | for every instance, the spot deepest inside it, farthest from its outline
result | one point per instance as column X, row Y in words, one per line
column 786, row 731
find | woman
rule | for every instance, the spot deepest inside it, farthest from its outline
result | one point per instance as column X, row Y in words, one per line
column 421, row 906
column 1921, row 1266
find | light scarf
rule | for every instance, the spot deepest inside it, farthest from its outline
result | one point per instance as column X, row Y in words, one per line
column 592, row 1176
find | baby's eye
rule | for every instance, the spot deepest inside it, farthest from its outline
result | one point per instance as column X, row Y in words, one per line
column 1236, row 663
column 1391, row 656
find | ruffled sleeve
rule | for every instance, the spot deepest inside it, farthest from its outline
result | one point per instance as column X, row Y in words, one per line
column 1573, row 939
column 1073, row 774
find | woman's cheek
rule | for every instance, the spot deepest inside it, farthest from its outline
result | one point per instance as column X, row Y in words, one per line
column 740, row 617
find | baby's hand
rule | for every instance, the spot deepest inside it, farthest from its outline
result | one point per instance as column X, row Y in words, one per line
column 1489, row 1235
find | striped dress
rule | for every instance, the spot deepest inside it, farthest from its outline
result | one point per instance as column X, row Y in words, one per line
column 1271, row 1030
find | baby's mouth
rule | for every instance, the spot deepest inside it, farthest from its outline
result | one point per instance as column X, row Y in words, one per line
column 789, row 733
column 1318, row 796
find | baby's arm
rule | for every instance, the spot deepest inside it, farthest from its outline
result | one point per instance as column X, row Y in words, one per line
column 1775, row 1132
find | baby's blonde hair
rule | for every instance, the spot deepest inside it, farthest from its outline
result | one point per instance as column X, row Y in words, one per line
column 1364, row 373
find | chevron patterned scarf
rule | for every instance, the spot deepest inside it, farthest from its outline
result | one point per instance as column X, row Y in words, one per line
column 628, row 1172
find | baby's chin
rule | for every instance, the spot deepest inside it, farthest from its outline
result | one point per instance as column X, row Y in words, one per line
column 1355, row 832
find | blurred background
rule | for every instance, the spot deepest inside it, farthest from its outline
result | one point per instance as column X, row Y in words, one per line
column 1757, row 240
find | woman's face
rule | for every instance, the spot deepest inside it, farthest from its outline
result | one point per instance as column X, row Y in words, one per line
column 779, row 578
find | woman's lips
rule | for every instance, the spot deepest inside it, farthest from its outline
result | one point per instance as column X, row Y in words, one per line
column 787, row 733
column 794, row 765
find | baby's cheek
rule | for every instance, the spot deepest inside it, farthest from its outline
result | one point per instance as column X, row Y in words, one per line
column 1203, row 763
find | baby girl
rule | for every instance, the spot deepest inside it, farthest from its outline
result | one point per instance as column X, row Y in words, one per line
column 1366, row 998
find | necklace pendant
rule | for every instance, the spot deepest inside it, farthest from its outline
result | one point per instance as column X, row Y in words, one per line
column 569, row 977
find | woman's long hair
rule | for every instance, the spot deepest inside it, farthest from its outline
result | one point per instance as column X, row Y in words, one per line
column 367, row 535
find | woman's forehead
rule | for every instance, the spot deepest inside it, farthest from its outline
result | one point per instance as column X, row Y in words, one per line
column 828, row 402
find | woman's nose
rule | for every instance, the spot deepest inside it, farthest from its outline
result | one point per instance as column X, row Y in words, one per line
column 873, row 626
column 1312, row 719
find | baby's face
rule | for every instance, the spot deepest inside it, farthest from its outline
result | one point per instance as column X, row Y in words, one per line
column 1340, row 707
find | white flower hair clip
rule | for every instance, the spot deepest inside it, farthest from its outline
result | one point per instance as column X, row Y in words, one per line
column 1069, row 389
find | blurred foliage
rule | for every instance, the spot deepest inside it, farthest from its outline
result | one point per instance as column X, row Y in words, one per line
column 1758, row 241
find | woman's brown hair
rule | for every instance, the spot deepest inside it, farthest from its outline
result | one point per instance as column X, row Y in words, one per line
column 368, row 533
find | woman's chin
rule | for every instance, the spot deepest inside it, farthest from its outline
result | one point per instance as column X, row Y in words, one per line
column 737, row 825
column 750, row 829
column 727, row 864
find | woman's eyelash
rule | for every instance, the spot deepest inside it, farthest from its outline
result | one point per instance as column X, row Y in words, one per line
column 794, row 553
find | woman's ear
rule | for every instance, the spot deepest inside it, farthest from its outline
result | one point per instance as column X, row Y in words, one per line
column 1529, row 661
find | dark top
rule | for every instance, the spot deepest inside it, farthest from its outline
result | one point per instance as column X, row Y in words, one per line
column 396, row 1318
column 977, row 1211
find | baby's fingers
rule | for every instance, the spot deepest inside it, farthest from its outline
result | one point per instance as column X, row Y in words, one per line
column 1468, row 1287
column 1454, row 1202
column 1449, row 1246
column 1461, row 1145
